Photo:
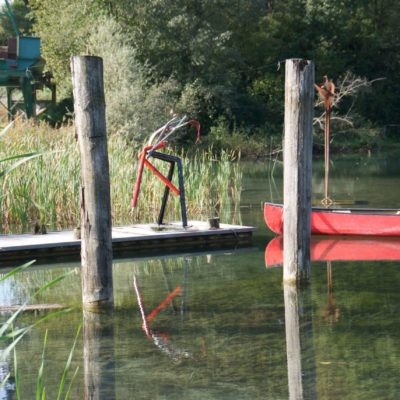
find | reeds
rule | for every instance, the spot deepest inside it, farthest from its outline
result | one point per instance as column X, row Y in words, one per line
column 11, row 336
column 45, row 189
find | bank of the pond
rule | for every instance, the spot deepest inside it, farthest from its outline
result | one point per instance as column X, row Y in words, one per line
column 262, row 145
column 358, row 147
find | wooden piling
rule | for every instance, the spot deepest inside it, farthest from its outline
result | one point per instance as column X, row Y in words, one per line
column 299, row 101
column 96, row 245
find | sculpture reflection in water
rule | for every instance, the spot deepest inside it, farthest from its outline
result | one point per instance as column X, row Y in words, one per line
column 161, row 339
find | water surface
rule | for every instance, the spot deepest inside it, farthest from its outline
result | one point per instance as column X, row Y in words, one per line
column 215, row 326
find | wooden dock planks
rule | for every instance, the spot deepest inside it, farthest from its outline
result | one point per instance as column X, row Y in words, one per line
column 141, row 237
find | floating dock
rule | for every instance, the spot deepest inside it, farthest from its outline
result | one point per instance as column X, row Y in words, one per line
column 143, row 238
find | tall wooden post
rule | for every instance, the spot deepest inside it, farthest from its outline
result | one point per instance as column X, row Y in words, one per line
column 96, row 245
column 299, row 100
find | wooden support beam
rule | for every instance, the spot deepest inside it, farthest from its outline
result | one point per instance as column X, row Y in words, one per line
column 96, row 246
column 299, row 102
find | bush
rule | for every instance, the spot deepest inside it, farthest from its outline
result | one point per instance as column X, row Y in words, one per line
column 133, row 106
column 249, row 143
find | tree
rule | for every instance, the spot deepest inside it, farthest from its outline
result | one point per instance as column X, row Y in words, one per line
column 217, row 58
column 64, row 27
column 23, row 19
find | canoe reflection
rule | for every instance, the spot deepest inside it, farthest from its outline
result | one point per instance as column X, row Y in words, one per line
column 339, row 249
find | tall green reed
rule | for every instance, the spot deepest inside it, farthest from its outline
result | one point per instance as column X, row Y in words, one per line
column 45, row 187
column 10, row 336
column 40, row 393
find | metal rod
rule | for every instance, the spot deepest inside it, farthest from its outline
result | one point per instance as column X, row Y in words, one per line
column 166, row 193
column 181, row 191
column 138, row 182
column 11, row 16
column 162, row 177
column 327, row 143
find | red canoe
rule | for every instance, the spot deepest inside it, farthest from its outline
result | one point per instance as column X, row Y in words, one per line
column 341, row 221
column 340, row 249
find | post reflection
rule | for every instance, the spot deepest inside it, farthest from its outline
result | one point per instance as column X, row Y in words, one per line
column 299, row 343
column 98, row 356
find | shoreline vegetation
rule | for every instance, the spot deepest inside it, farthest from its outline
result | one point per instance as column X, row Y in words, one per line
column 45, row 189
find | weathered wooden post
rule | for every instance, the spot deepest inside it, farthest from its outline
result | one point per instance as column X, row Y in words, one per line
column 96, row 244
column 297, row 156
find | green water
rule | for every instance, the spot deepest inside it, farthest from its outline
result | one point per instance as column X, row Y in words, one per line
column 222, row 336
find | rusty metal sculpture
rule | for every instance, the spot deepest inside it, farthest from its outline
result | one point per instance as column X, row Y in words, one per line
column 326, row 91
column 158, row 140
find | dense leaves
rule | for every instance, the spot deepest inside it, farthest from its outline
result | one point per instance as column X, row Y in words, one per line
column 218, row 58
column 23, row 20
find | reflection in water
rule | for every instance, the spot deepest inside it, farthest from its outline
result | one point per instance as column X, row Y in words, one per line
column 98, row 356
column 338, row 248
column 331, row 311
column 7, row 389
column 299, row 343
column 160, row 339
column 234, row 331
column 13, row 292
column 235, row 319
column 293, row 348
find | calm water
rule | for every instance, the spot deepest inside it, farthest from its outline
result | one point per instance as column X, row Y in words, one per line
column 217, row 321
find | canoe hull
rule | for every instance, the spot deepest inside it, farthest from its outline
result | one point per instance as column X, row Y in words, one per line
column 363, row 222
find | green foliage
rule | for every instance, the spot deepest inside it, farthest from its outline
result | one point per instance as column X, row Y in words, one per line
column 250, row 144
column 23, row 158
column 58, row 114
column 135, row 108
column 269, row 91
column 66, row 370
column 46, row 188
column 64, row 27
column 217, row 59
column 23, row 19
column 11, row 336
column 8, row 333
